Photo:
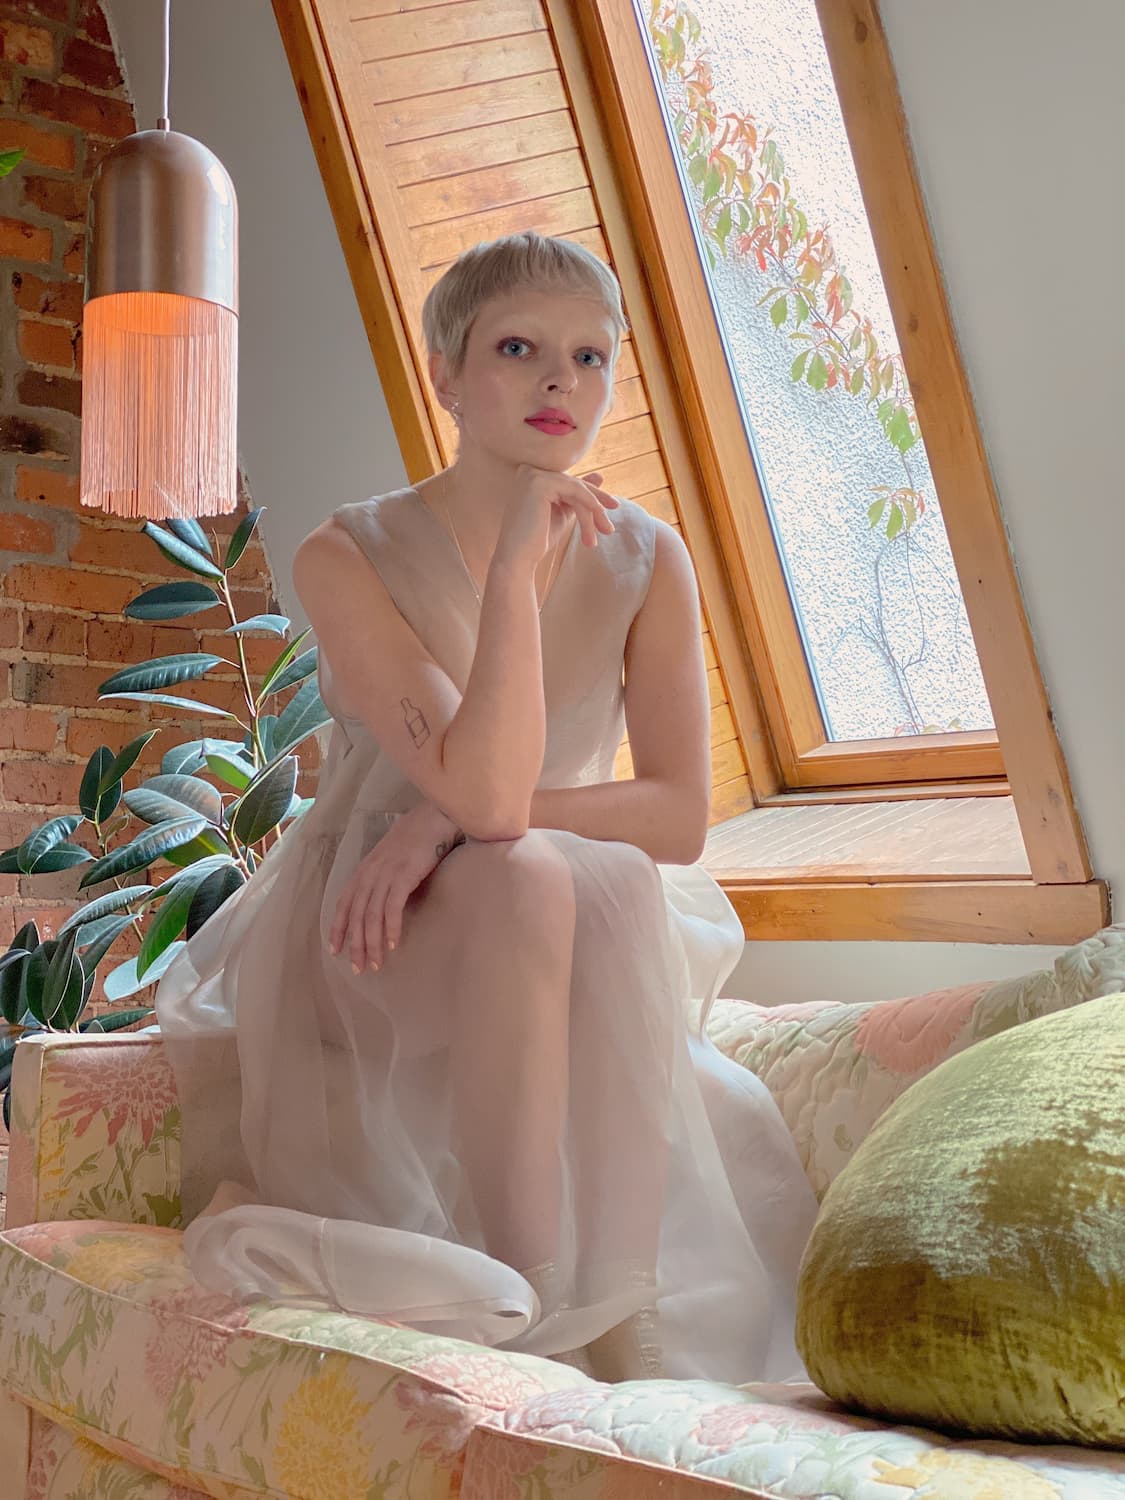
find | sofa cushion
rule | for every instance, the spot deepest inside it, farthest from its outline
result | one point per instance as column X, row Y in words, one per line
column 967, row 1268
column 702, row 1441
column 833, row 1068
column 64, row 1466
column 105, row 1331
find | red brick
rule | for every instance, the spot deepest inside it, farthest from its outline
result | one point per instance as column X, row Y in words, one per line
column 47, row 299
column 27, row 729
column 50, row 344
column 20, row 533
column 20, row 241
column 48, row 919
column 42, row 783
column 45, row 145
column 93, row 22
column 26, row 46
column 54, row 487
column 55, row 391
column 48, row 10
column 84, row 735
column 91, row 65
column 49, row 632
column 109, row 547
column 20, row 435
column 8, row 884
column 61, row 196
column 74, row 260
column 118, row 641
column 9, row 627
column 96, row 113
column 70, row 588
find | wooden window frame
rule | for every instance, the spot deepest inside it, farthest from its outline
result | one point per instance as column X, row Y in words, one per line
column 682, row 380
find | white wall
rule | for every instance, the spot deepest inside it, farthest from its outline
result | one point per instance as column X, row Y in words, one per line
column 1017, row 120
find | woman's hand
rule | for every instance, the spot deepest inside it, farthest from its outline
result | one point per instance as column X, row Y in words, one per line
column 368, row 920
column 537, row 518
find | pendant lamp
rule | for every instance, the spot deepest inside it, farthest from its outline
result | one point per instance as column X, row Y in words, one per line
column 160, row 328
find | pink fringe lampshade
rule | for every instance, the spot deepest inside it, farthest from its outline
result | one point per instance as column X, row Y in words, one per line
column 160, row 331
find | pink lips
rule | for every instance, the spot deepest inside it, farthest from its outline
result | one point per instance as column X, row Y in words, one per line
column 552, row 421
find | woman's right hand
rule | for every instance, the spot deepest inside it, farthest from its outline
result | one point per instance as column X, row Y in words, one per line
column 538, row 516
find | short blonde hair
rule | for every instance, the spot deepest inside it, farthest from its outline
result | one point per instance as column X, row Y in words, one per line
column 497, row 267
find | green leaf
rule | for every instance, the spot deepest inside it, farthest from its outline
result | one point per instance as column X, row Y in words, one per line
column 181, row 552
column 712, row 182
column 9, row 862
column 280, row 663
column 165, row 797
column 267, row 732
column 172, row 601
column 797, row 368
column 304, row 713
column 189, row 530
column 143, row 851
column 900, row 432
column 875, row 511
column 191, row 756
column 233, row 769
column 9, row 160
column 817, row 374
column 61, row 857
column 260, row 625
column 44, row 838
column 303, row 666
column 723, row 225
column 190, row 703
column 166, row 1212
column 208, row 845
column 126, row 759
column 218, row 888
column 123, row 980
column 161, row 672
column 171, row 916
column 263, row 805
column 90, row 793
column 802, row 310
column 855, row 385
column 894, row 522
column 95, row 939
column 62, row 987
column 11, row 979
column 697, row 169
column 246, row 529
column 779, row 311
column 101, row 906
column 115, row 1020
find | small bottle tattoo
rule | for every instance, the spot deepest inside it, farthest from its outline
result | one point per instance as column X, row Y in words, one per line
column 415, row 722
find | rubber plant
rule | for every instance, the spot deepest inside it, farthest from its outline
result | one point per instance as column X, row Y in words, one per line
column 213, row 832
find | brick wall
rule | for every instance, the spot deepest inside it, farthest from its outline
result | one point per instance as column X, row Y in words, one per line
column 66, row 572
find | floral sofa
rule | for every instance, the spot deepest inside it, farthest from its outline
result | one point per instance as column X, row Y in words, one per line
column 121, row 1378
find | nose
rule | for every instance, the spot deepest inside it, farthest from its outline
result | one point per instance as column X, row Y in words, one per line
column 561, row 378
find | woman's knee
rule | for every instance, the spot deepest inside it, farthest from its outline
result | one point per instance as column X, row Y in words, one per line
column 526, row 878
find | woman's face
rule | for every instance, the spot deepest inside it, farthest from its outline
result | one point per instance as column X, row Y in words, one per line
column 537, row 378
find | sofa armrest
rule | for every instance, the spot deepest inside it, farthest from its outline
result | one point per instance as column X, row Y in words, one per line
column 95, row 1130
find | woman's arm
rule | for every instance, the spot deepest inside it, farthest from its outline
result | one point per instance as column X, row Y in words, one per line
column 664, row 810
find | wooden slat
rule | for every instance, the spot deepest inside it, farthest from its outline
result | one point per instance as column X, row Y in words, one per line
column 427, row 116
column 520, row 182
column 621, row 441
column 457, row 67
column 564, row 213
column 407, row 32
column 436, row 156
column 922, row 911
column 630, row 399
column 359, row 10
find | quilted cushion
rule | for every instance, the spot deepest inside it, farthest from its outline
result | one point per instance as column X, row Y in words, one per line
column 833, row 1069
column 703, row 1441
column 104, row 1330
column 967, row 1268
column 64, row 1466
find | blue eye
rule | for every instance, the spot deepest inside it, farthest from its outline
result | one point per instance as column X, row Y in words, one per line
column 506, row 345
column 598, row 356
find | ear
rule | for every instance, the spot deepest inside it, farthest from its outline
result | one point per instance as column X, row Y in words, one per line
column 439, row 379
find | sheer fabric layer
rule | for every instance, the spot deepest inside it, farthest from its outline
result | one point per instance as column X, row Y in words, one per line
column 513, row 1132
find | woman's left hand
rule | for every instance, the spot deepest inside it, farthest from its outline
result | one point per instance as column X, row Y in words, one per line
column 368, row 919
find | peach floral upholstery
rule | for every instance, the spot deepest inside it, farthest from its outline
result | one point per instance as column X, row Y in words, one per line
column 834, row 1068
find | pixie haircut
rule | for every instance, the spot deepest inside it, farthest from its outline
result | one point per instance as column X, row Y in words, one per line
column 514, row 263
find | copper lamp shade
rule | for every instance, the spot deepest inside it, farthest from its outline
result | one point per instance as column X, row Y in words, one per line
column 160, row 331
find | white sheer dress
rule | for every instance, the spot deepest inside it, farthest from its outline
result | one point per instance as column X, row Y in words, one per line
column 583, row 1177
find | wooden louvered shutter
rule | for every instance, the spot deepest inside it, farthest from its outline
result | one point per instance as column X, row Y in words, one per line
column 437, row 126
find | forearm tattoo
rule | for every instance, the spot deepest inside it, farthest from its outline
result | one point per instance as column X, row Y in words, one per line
column 415, row 721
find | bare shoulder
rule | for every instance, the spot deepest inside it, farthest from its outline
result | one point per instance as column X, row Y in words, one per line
column 673, row 572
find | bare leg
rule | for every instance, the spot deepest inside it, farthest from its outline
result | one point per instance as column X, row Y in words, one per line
column 510, row 1035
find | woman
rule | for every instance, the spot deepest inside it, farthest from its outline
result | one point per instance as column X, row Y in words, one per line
column 435, row 1057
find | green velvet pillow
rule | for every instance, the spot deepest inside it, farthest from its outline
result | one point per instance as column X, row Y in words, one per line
column 967, row 1269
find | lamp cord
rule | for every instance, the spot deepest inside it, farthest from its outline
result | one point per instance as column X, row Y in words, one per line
column 163, row 123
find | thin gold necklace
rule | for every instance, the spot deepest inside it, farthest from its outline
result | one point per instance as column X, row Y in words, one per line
column 551, row 573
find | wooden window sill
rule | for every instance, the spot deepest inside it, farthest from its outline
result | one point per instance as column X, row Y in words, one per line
column 927, row 869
